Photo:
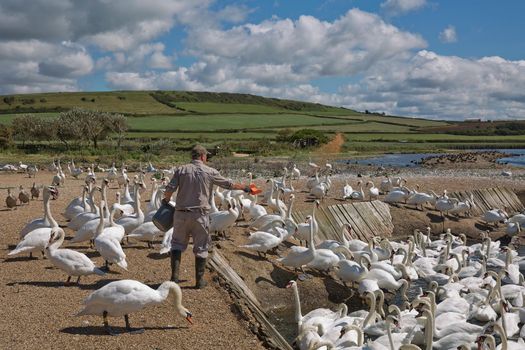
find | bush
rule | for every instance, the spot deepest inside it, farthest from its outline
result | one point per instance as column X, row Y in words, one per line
column 9, row 100
column 308, row 138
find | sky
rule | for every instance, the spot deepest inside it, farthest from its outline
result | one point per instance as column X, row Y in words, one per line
column 442, row 59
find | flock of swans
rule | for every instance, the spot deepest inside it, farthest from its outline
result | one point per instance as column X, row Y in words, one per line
column 105, row 227
column 472, row 293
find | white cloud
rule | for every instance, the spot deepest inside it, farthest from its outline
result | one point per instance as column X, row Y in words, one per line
column 399, row 7
column 448, row 35
column 34, row 66
column 389, row 68
column 310, row 47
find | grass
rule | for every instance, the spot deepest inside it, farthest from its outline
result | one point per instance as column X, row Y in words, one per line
column 226, row 122
column 432, row 138
column 366, row 127
column 8, row 118
column 211, row 108
column 128, row 102
column 202, row 135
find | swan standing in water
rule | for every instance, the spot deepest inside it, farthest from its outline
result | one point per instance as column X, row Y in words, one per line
column 120, row 298
column 73, row 263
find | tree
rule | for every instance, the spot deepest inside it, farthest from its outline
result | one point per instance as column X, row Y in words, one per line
column 68, row 127
column 118, row 125
column 79, row 123
column 6, row 136
column 26, row 127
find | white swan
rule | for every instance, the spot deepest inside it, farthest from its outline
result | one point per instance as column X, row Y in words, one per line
column 78, row 205
column 79, row 220
column 73, row 263
column 36, row 240
column 224, row 219
column 262, row 241
column 108, row 247
column 358, row 194
column 120, row 298
column 47, row 220
column 347, row 191
column 333, row 244
column 302, row 232
column 145, row 232
column 315, row 317
column 373, row 192
column 133, row 221
column 88, row 230
column 495, row 216
column 299, row 256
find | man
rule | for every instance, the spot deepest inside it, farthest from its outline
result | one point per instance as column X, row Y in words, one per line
column 194, row 182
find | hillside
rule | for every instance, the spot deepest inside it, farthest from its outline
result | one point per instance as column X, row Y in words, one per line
column 254, row 124
column 158, row 102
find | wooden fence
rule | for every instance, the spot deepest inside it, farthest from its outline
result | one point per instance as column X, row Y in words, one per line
column 368, row 219
column 267, row 331
column 491, row 198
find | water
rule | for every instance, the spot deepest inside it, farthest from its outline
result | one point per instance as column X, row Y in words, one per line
column 397, row 159
column 517, row 160
column 413, row 159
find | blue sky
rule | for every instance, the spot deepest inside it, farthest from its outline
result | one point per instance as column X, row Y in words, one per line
column 434, row 59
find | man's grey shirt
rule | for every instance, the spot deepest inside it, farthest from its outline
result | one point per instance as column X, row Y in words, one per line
column 194, row 182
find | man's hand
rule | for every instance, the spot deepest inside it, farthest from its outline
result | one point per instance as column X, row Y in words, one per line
column 165, row 200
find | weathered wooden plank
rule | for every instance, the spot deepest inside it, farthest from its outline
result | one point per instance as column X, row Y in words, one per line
column 363, row 228
column 356, row 233
column 338, row 217
column 499, row 199
column 382, row 210
column 385, row 228
column 482, row 202
column 241, row 290
column 509, row 198
column 332, row 226
column 365, row 211
column 353, row 217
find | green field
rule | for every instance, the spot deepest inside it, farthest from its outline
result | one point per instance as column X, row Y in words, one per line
column 241, row 122
column 209, row 107
column 221, row 122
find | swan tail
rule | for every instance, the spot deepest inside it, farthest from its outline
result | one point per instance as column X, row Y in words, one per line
column 98, row 271
column 19, row 250
column 165, row 250
column 123, row 264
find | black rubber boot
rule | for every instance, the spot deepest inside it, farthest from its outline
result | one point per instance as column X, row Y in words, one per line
column 200, row 268
column 176, row 256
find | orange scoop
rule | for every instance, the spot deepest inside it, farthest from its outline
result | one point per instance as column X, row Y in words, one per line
column 254, row 190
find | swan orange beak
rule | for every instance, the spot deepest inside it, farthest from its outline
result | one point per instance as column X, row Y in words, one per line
column 188, row 318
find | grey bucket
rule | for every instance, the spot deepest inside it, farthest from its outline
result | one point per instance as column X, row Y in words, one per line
column 163, row 218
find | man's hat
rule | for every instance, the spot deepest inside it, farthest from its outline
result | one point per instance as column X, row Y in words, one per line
column 199, row 150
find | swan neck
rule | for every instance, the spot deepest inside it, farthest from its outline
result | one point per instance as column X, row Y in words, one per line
column 50, row 217
column 429, row 329
column 389, row 334
column 58, row 242
column 298, row 315
column 372, row 310
column 100, row 226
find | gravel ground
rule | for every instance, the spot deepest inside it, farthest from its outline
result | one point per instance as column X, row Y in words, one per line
column 40, row 310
